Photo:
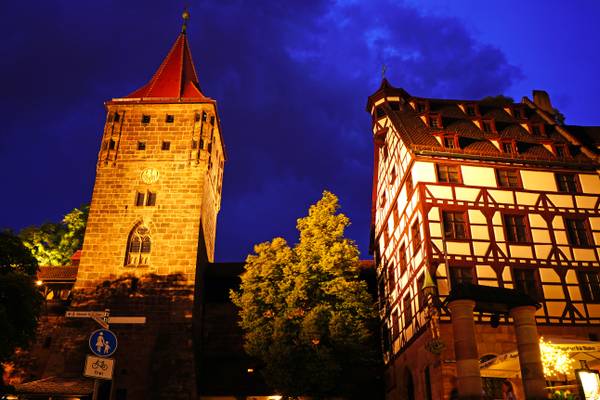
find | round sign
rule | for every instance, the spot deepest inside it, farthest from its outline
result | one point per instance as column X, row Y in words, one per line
column 103, row 343
column 150, row 175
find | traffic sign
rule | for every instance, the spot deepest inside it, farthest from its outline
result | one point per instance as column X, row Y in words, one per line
column 86, row 314
column 103, row 343
column 98, row 367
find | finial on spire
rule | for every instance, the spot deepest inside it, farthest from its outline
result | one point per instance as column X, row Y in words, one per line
column 186, row 17
column 383, row 71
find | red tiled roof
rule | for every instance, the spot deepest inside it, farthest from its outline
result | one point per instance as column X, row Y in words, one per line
column 175, row 78
column 56, row 273
column 53, row 385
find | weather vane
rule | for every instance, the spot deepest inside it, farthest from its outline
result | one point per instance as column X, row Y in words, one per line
column 186, row 17
column 383, row 71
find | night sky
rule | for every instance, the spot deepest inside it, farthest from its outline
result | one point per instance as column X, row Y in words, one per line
column 291, row 80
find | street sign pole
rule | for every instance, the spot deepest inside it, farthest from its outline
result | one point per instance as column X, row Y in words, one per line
column 105, row 325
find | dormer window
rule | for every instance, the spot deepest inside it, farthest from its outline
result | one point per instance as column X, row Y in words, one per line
column 471, row 110
column 509, row 147
column 488, row 126
column 435, row 121
column 517, row 113
column 561, row 150
column 537, row 129
column 449, row 142
column 421, row 107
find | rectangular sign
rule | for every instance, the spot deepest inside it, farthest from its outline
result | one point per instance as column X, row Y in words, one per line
column 126, row 320
column 99, row 367
column 85, row 314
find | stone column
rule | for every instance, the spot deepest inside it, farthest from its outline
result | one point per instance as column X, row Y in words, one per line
column 530, row 359
column 468, row 377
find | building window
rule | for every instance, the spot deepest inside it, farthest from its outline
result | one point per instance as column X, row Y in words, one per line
column 170, row 118
column 139, row 199
column 471, row 110
column 460, row 275
column 402, row 258
column 194, row 143
column 151, row 199
column 165, row 145
column 487, row 126
column 517, row 113
column 455, row 224
column 112, row 144
column 567, row 183
column 416, row 236
column 561, row 150
column 526, row 281
column 508, row 178
column 421, row 107
column 409, row 184
column 420, row 294
column 141, row 146
column 395, row 216
column 203, row 116
column 395, row 325
column 393, row 175
column 448, row 173
column 197, row 117
column 391, row 273
column 589, row 284
column 578, row 232
column 116, row 117
column 536, row 129
column 509, row 147
column 212, row 120
column 407, row 309
column 138, row 246
column 145, row 119
column 435, row 121
column 516, row 228
column 449, row 142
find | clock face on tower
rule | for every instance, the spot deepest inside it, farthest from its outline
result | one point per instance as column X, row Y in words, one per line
column 149, row 175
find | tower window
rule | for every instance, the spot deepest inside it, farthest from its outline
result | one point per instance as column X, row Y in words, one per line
column 194, row 143
column 567, row 183
column 111, row 144
column 212, row 120
column 589, row 284
column 526, row 281
column 209, row 147
column 416, row 236
column 508, row 178
column 455, row 225
column 116, row 117
column 203, row 116
column 141, row 146
column 145, row 119
column 516, row 228
column 165, row 145
column 151, row 199
column 201, row 144
column 448, row 173
column 138, row 246
column 197, row 117
column 170, row 118
column 578, row 233
column 139, row 199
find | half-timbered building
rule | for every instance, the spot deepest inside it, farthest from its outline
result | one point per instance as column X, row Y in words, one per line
column 491, row 192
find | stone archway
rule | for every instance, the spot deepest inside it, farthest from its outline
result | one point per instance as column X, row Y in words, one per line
column 408, row 385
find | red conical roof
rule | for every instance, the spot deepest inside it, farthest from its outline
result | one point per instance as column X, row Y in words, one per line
column 175, row 78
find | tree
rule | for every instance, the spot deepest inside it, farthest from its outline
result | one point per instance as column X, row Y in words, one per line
column 55, row 243
column 20, row 300
column 304, row 311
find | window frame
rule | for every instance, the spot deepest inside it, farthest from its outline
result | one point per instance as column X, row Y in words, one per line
column 575, row 241
column 526, row 229
column 415, row 233
column 448, row 167
column 591, row 294
column 141, row 145
column 169, row 118
column 519, row 182
column 573, row 187
column 407, row 312
column 539, row 292
column 165, row 145
column 402, row 259
column 452, row 276
column 453, row 234
column 146, row 119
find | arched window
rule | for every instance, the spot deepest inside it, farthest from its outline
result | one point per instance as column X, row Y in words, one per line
column 138, row 246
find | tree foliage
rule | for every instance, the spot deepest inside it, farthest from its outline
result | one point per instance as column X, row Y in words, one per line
column 20, row 300
column 304, row 311
column 55, row 243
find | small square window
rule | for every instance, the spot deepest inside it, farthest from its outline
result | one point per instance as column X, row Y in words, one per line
column 204, row 116
column 449, row 142
column 116, row 117
column 166, row 145
column 151, row 199
column 526, row 281
column 145, row 119
column 460, row 275
column 197, row 117
column 194, row 143
column 487, row 126
column 448, row 173
column 508, row 147
column 578, row 232
column 455, row 225
column 567, row 183
column 212, row 120
column 170, row 118
column 141, row 146
column 139, row 199
column 516, row 228
column 112, row 144
column 589, row 284
column 508, row 178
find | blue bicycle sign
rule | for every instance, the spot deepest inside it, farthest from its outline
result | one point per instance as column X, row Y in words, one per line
column 103, row 343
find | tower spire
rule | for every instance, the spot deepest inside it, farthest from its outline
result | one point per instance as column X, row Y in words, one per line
column 186, row 17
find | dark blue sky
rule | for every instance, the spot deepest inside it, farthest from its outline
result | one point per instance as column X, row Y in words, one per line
column 291, row 80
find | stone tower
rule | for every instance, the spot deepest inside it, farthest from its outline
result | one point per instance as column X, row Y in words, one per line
column 158, row 179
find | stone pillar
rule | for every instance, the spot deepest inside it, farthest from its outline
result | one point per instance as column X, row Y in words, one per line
column 468, row 377
column 530, row 359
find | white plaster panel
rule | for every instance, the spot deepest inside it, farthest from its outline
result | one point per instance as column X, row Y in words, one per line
column 499, row 233
column 566, row 252
column 538, row 180
column 575, row 293
column 479, row 232
column 584, row 254
column 440, row 192
column 590, row 183
column 571, row 277
column 506, row 275
column 480, row 248
column 466, row 194
column 497, row 218
column 553, row 292
column 561, row 200
column 478, row 176
column 527, row 199
column 542, row 251
column 540, row 236
column 434, row 214
column 485, row 271
column 555, row 309
column 558, row 223
column 536, row 221
column 595, row 223
column 517, row 251
column 593, row 309
column 459, row 248
column 423, row 172
column 476, row 217
column 586, row 201
column 561, row 237
column 502, row 196
column 548, row 275
column 489, row 283
column 435, row 230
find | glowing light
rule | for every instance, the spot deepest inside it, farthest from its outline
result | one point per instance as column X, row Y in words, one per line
column 556, row 361
column 250, row 370
column 39, row 282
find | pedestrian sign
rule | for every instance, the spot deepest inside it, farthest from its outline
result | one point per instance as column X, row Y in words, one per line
column 103, row 343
